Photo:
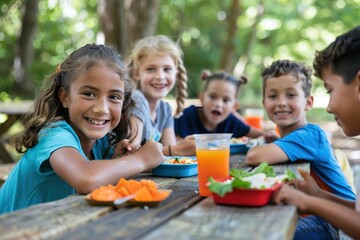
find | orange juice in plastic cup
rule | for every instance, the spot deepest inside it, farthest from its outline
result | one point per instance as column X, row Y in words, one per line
column 213, row 154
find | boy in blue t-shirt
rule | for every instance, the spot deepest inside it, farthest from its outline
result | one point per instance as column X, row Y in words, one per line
column 286, row 98
column 338, row 67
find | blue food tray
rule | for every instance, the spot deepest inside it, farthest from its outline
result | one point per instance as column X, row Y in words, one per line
column 239, row 148
column 176, row 170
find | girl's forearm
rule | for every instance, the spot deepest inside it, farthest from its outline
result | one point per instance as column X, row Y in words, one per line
column 168, row 150
column 103, row 172
column 343, row 217
column 334, row 198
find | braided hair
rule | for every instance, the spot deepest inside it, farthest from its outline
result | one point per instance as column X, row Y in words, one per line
column 163, row 45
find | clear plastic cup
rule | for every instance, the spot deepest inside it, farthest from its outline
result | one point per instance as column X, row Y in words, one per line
column 213, row 157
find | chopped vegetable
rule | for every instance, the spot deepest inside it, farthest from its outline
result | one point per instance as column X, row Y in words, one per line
column 180, row 160
column 145, row 190
column 105, row 193
column 262, row 177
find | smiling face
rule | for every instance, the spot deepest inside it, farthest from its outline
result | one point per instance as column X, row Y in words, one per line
column 218, row 101
column 94, row 101
column 285, row 102
column 344, row 102
column 157, row 75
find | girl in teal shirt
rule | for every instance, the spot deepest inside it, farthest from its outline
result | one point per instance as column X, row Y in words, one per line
column 80, row 117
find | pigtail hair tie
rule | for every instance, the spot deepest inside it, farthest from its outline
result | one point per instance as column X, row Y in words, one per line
column 205, row 74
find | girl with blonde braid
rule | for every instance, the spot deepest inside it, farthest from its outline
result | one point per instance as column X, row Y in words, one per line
column 156, row 66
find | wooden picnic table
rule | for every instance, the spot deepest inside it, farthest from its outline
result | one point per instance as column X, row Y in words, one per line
column 183, row 215
column 14, row 111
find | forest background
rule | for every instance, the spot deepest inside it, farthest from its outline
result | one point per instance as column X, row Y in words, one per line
column 238, row 36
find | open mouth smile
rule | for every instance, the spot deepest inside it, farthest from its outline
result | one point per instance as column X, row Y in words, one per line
column 158, row 86
column 96, row 122
column 281, row 114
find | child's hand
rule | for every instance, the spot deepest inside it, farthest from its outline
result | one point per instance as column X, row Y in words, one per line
column 289, row 195
column 185, row 147
column 271, row 136
column 121, row 148
column 150, row 154
column 126, row 146
column 307, row 185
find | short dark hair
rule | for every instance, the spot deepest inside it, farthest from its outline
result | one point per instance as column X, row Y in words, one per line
column 208, row 77
column 301, row 71
column 342, row 56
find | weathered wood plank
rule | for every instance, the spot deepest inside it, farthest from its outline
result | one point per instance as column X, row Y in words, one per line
column 131, row 223
column 47, row 220
column 54, row 218
column 238, row 161
column 73, row 218
column 281, row 168
column 207, row 220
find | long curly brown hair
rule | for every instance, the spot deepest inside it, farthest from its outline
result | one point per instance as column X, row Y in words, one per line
column 48, row 106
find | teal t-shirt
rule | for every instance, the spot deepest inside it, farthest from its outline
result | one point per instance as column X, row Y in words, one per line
column 33, row 180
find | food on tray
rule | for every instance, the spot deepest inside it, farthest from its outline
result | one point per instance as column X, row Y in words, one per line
column 105, row 193
column 240, row 140
column 145, row 190
column 180, row 160
column 177, row 166
column 248, row 141
column 262, row 177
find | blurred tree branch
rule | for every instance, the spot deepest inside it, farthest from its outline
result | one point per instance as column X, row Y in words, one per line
column 228, row 53
column 243, row 60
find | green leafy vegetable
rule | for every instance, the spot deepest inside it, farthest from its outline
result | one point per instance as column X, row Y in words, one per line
column 238, row 175
column 220, row 188
column 264, row 168
column 290, row 175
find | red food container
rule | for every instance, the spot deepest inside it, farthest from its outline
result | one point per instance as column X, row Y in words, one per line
column 246, row 196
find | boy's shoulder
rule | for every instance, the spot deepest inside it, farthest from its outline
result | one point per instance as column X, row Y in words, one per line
column 309, row 131
column 312, row 127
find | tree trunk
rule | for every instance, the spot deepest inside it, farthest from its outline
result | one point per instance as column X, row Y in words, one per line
column 125, row 21
column 229, row 49
column 243, row 60
column 111, row 14
column 142, row 18
column 24, row 50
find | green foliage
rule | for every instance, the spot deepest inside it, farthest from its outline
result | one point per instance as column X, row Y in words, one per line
column 287, row 29
column 63, row 26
